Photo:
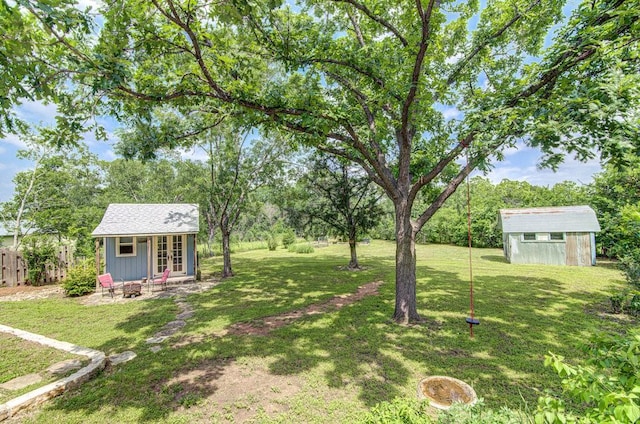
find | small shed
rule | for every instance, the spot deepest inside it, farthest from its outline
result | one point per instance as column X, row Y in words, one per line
column 563, row 235
column 142, row 240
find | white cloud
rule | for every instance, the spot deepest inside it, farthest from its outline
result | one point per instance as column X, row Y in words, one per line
column 451, row 113
column 520, row 147
column 37, row 112
column 570, row 170
column 14, row 140
column 195, row 154
column 109, row 155
column 453, row 59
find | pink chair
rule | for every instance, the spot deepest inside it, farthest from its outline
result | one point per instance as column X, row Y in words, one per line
column 106, row 282
column 162, row 281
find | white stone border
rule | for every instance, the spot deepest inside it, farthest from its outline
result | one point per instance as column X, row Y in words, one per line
column 42, row 394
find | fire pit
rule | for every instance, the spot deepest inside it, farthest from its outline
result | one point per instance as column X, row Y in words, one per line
column 443, row 391
column 131, row 289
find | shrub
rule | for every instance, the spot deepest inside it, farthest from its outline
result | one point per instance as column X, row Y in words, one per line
column 301, row 248
column 413, row 411
column 398, row 411
column 617, row 301
column 479, row 414
column 272, row 242
column 608, row 386
column 38, row 253
column 81, row 279
column 288, row 238
column 634, row 304
column 630, row 266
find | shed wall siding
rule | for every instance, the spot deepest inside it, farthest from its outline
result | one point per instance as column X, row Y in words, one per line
column 535, row 252
column 126, row 268
column 135, row 267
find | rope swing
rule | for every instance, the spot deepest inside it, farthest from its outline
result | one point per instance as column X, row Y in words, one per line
column 471, row 320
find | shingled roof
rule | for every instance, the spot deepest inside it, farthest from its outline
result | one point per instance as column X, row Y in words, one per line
column 549, row 219
column 129, row 219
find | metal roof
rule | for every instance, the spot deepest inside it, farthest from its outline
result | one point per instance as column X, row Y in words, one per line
column 129, row 219
column 559, row 219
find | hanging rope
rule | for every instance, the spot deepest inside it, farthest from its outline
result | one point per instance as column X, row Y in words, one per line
column 471, row 320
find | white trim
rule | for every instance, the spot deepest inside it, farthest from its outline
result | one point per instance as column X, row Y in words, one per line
column 543, row 237
column 170, row 253
column 133, row 245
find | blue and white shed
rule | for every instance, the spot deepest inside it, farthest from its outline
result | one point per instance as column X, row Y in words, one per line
column 563, row 235
column 142, row 240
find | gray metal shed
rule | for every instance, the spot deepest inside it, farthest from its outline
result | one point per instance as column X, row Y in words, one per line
column 562, row 235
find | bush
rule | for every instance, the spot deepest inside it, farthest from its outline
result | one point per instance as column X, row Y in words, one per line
column 634, row 304
column 288, row 238
column 272, row 242
column 38, row 253
column 630, row 266
column 413, row 411
column 398, row 411
column 617, row 301
column 301, row 248
column 608, row 386
column 478, row 414
column 81, row 279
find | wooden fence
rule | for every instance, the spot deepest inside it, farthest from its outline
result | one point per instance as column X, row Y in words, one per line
column 15, row 271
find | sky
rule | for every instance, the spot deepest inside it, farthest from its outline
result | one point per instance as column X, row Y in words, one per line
column 520, row 163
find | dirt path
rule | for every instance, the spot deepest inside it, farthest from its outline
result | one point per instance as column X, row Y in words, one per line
column 11, row 294
column 265, row 325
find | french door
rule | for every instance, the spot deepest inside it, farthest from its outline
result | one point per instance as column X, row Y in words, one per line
column 170, row 252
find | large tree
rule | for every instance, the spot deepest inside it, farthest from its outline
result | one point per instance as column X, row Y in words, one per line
column 236, row 165
column 371, row 80
column 57, row 195
column 345, row 200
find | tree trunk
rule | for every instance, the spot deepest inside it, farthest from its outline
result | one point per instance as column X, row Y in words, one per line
column 226, row 254
column 353, row 264
column 405, row 311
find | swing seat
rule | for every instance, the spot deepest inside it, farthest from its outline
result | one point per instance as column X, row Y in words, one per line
column 473, row 321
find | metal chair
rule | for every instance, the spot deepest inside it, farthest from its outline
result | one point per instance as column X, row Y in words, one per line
column 162, row 281
column 106, row 282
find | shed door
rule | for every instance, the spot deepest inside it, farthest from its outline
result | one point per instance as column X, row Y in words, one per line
column 171, row 252
column 578, row 249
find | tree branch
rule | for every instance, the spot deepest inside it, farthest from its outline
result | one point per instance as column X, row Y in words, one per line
column 364, row 9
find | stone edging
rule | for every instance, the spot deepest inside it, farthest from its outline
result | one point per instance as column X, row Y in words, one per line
column 42, row 394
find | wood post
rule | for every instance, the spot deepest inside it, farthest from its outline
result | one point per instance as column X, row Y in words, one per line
column 97, row 263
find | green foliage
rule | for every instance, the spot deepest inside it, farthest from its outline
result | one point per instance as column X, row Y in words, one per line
column 288, row 237
column 480, row 414
column 449, row 224
column 272, row 241
column 618, row 300
column 634, row 303
column 411, row 411
column 39, row 253
column 614, row 196
column 608, row 386
column 398, row 411
column 81, row 278
column 301, row 248
column 630, row 266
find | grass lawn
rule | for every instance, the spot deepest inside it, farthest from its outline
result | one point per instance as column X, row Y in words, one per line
column 21, row 357
column 330, row 366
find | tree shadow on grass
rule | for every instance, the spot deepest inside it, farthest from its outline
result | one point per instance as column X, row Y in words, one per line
column 495, row 258
column 357, row 349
